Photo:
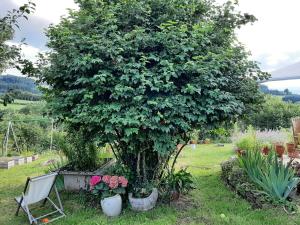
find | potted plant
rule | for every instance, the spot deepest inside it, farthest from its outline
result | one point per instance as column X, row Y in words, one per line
column 177, row 183
column 290, row 147
column 239, row 151
column 207, row 141
column 109, row 188
column 266, row 148
column 144, row 197
column 279, row 148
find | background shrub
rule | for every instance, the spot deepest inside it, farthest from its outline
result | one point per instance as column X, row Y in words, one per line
column 273, row 114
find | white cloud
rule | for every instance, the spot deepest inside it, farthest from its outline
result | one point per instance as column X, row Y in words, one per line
column 275, row 36
column 292, row 85
column 27, row 52
column 50, row 10
column 273, row 39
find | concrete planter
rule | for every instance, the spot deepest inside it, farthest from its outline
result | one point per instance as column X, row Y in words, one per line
column 76, row 181
column 6, row 163
column 28, row 159
column 19, row 160
column 144, row 204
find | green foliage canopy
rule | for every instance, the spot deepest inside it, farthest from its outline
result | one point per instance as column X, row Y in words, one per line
column 10, row 54
column 142, row 74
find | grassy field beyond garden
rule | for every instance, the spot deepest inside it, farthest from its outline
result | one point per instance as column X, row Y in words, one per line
column 18, row 104
column 204, row 206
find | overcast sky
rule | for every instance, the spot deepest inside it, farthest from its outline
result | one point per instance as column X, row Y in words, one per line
column 273, row 40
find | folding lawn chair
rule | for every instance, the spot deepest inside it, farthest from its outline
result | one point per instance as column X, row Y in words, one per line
column 296, row 130
column 38, row 189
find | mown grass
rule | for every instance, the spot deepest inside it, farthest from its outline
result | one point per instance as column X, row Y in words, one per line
column 17, row 105
column 204, row 206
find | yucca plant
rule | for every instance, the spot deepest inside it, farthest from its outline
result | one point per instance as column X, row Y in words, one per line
column 271, row 175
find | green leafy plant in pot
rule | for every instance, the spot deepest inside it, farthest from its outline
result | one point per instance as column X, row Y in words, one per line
column 144, row 196
column 266, row 148
column 176, row 183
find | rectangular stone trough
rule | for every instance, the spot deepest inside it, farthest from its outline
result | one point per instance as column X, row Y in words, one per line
column 6, row 163
column 76, row 181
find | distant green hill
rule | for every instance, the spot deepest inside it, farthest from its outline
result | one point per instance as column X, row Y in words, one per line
column 23, row 84
column 21, row 87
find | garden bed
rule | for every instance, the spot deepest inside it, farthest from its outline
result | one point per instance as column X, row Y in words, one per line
column 7, row 163
column 28, row 159
column 236, row 179
column 19, row 160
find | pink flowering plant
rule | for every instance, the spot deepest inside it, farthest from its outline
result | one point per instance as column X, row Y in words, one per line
column 107, row 186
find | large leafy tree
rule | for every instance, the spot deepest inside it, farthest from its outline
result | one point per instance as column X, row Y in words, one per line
column 10, row 54
column 142, row 74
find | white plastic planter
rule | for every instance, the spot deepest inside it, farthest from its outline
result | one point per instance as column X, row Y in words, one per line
column 144, row 204
column 112, row 206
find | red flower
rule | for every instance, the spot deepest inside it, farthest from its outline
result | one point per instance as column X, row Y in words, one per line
column 114, row 182
column 123, row 181
column 95, row 180
column 106, row 179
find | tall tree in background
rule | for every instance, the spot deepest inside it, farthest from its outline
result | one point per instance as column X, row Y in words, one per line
column 10, row 54
column 142, row 74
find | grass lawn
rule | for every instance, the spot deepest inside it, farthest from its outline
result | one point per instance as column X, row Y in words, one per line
column 205, row 205
column 17, row 105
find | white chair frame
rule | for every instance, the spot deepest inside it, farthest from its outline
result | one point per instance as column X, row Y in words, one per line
column 22, row 203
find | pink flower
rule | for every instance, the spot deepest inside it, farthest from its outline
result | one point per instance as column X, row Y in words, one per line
column 114, row 182
column 106, row 179
column 123, row 181
column 95, row 180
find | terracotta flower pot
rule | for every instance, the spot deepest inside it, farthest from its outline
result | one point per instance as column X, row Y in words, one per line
column 279, row 150
column 290, row 147
column 207, row 141
column 174, row 195
column 265, row 150
column 240, row 152
column 193, row 142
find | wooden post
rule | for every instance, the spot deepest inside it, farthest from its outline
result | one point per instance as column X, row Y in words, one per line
column 14, row 136
column 6, row 138
column 51, row 134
